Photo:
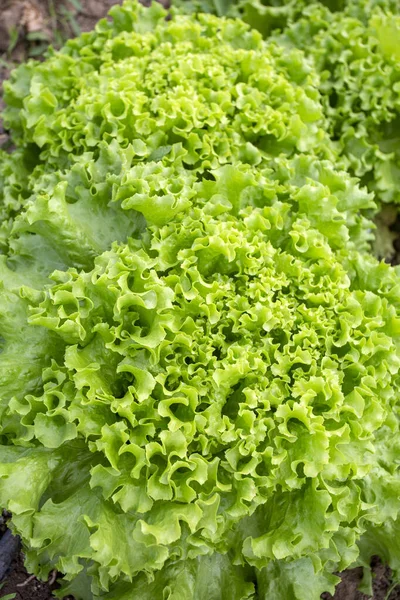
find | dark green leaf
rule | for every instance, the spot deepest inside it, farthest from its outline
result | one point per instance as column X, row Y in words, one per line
column 222, row 6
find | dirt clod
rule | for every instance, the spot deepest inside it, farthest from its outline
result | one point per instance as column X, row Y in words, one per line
column 33, row 17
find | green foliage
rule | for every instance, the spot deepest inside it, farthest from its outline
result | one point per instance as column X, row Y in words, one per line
column 354, row 45
column 199, row 366
column 356, row 52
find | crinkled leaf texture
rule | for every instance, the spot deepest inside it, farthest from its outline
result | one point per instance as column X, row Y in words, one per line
column 357, row 54
column 208, row 402
column 354, row 46
column 199, row 363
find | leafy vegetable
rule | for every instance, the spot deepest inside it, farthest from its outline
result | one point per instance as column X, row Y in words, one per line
column 199, row 370
column 354, row 47
column 170, row 85
column 356, row 52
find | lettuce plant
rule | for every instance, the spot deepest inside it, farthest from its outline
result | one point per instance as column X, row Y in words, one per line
column 354, row 47
column 199, row 366
column 357, row 53
column 192, row 92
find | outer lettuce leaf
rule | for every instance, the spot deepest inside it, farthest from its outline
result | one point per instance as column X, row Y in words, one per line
column 296, row 579
column 72, row 213
column 21, row 362
column 207, row 578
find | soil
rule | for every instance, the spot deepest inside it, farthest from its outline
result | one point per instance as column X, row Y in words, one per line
column 25, row 587
column 26, row 28
column 382, row 584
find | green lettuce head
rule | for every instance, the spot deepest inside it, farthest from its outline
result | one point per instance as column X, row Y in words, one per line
column 198, row 373
column 192, row 93
column 210, row 401
column 212, row 86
